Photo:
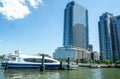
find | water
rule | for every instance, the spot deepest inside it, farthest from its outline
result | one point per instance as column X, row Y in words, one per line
column 81, row 73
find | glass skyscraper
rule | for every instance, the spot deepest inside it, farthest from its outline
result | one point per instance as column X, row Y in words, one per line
column 75, row 39
column 75, row 25
column 109, row 37
column 117, row 26
column 105, row 36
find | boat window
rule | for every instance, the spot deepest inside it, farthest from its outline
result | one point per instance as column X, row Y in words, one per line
column 33, row 60
column 28, row 60
column 49, row 61
column 38, row 60
column 13, row 58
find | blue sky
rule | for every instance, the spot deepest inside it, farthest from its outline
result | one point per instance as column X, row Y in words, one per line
column 41, row 29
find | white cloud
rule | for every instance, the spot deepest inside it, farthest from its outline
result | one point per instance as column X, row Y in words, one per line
column 16, row 9
column 35, row 3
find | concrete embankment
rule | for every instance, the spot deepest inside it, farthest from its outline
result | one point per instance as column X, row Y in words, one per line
column 99, row 65
column 94, row 65
column 84, row 65
column 117, row 66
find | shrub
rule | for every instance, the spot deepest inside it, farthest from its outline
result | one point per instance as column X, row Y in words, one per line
column 117, row 62
column 107, row 61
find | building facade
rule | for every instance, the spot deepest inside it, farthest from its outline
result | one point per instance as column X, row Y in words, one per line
column 109, row 37
column 62, row 53
column 118, row 35
column 75, row 38
column 116, row 45
column 95, row 55
column 90, row 47
column 105, row 36
column 75, row 25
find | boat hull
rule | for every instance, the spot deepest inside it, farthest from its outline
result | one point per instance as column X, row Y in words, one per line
column 30, row 66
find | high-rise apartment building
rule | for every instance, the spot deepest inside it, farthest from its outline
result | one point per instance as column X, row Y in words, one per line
column 75, row 25
column 116, row 40
column 109, row 37
column 117, row 23
column 105, row 36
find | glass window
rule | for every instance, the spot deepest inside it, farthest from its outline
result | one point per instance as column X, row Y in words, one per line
column 13, row 58
column 38, row 60
column 28, row 60
column 49, row 61
column 33, row 60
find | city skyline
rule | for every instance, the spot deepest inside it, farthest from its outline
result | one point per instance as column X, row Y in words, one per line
column 33, row 35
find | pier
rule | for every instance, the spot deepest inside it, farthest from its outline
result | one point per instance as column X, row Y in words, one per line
column 43, row 61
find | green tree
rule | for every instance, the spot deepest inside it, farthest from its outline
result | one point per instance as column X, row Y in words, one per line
column 107, row 61
column 2, row 56
column 77, row 61
column 84, row 60
column 99, row 61
column 117, row 62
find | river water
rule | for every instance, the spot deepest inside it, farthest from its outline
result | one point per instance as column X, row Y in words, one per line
column 81, row 73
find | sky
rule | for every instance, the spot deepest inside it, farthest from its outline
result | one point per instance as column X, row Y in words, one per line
column 36, row 26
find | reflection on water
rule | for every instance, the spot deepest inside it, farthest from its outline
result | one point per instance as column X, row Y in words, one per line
column 30, row 74
column 96, row 73
column 82, row 73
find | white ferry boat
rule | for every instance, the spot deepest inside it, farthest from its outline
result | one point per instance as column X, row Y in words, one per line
column 20, row 61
